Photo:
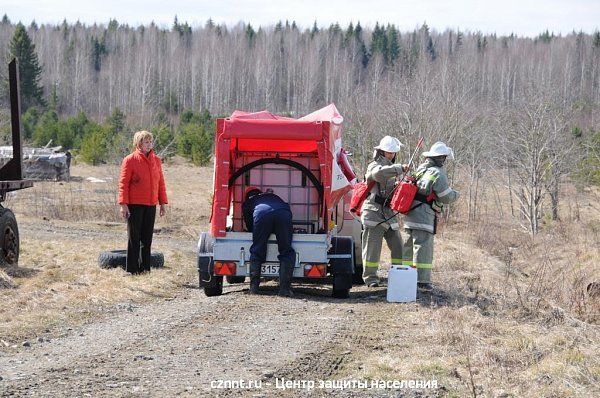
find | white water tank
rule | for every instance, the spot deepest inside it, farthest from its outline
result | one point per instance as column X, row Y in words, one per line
column 402, row 284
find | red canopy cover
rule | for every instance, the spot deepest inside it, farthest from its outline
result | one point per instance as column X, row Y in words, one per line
column 318, row 132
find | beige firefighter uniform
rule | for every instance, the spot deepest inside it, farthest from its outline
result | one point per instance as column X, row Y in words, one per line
column 420, row 222
column 379, row 221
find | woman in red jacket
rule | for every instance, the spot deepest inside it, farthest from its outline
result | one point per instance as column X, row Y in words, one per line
column 141, row 188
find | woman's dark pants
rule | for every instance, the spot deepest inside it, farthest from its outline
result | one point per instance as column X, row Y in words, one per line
column 140, row 226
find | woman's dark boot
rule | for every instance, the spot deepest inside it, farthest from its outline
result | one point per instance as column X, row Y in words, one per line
column 286, row 272
column 254, row 277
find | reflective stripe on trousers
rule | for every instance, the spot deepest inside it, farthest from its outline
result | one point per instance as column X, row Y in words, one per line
column 372, row 239
column 418, row 252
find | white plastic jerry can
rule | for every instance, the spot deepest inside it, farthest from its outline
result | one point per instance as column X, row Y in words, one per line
column 402, row 284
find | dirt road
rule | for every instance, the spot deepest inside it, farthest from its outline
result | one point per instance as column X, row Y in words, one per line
column 193, row 345
column 196, row 346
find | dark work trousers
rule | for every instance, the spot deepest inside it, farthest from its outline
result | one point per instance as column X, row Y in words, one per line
column 278, row 222
column 140, row 226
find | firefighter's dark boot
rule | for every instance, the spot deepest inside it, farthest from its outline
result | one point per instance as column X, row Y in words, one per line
column 286, row 272
column 254, row 277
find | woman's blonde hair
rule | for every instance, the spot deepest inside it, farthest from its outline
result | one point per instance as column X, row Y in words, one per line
column 141, row 136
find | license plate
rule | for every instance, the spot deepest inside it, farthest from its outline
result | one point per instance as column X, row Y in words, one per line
column 269, row 269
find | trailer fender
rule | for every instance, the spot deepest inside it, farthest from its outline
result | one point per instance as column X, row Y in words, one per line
column 205, row 261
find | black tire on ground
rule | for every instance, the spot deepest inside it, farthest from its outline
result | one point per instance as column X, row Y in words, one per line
column 118, row 258
column 342, row 284
column 216, row 288
column 9, row 238
column 231, row 279
column 112, row 259
column 341, row 293
column 157, row 260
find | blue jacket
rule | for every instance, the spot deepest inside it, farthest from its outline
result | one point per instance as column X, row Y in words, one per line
column 259, row 205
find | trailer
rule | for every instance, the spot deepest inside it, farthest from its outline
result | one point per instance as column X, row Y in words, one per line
column 303, row 162
column 11, row 175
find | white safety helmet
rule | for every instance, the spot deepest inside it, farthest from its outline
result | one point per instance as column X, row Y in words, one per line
column 389, row 144
column 439, row 149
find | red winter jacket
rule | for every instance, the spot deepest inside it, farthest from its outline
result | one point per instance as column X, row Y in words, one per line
column 142, row 181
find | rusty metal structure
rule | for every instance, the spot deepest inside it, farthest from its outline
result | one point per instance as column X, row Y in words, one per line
column 11, row 175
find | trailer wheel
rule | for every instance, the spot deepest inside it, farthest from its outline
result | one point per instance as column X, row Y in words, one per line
column 118, row 258
column 341, row 293
column 341, row 286
column 9, row 238
column 215, row 288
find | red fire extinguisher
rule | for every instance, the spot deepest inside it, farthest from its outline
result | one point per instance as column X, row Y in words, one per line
column 406, row 190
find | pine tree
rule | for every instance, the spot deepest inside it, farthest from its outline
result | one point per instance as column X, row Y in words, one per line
column 335, row 29
column 116, row 122
column 393, row 44
column 314, row 30
column 30, row 70
column 545, row 37
column 183, row 29
column 414, row 51
column 358, row 31
column 376, row 39
column 94, row 148
column 481, row 43
column 54, row 99
column 113, row 25
column 431, row 49
column 278, row 27
column 250, row 35
column 364, row 55
column 98, row 50
column 459, row 39
column 596, row 42
column 349, row 34
column 29, row 121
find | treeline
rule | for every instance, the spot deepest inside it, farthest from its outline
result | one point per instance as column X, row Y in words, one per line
column 520, row 111
column 111, row 140
column 146, row 70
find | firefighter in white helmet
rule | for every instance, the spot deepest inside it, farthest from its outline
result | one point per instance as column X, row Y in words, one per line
column 379, row 221
column 420, row 223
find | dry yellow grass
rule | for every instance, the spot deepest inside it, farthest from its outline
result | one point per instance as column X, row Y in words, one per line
column 489, row 331
column 511, row 316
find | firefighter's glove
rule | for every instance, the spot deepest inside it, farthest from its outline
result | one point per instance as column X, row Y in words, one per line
column 401, row 168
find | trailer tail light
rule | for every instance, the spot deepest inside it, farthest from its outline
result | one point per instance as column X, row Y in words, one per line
column 315, row 270
column 225, row 267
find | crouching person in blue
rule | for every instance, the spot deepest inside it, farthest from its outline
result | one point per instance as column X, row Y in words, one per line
column 264, row 214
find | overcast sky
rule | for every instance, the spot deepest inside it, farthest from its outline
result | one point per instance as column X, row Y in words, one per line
column 523, row 17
